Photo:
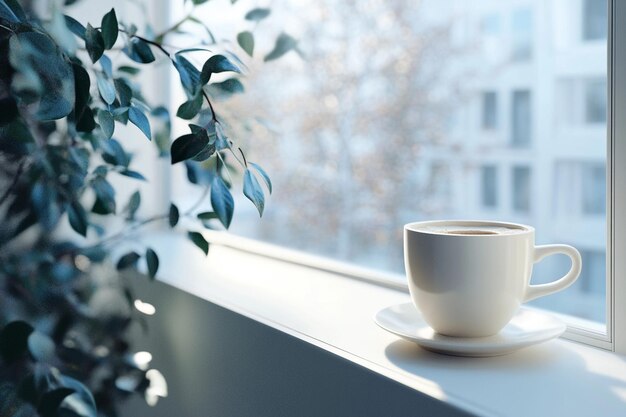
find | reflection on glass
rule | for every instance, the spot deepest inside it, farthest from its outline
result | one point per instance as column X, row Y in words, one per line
column 392, row 116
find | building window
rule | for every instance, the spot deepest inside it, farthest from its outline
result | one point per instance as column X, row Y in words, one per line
column 594, row 189
column 593, row 272
column 489, row 110
column 489, row 186
column 522, row 35
column 521, row 189
column 521, row 119
column 595, row 101
column 595, row 20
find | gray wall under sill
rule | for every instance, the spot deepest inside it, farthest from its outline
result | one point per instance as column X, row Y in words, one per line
column 221, row 364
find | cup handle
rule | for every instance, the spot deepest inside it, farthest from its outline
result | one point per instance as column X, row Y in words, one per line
column 536, row 291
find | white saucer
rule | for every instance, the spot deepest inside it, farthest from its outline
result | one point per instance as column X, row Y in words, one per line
column 528, row 327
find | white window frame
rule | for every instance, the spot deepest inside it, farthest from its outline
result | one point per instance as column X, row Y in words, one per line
column 613, row 337
column 616, row 181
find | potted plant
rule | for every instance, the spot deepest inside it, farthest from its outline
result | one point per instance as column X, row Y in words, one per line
column 63, row 348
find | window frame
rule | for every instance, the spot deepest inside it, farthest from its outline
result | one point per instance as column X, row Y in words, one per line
column 613, row 336
column 616, row 179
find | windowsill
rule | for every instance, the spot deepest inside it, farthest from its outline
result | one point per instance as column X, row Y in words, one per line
column 335, row 312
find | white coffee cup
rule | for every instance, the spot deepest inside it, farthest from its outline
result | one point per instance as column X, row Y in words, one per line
column 468, row 278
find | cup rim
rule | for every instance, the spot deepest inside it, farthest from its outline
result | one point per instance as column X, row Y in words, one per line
column 413, row 227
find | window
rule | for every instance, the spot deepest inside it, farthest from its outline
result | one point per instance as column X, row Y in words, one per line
column 595, row 101
column 489, row 110
column 489, row 186
column 521, row 120
column 360, row 146
column 492, row 37
column 594, row 268
column 581, row 101
column 521, row 189
column 522, row 35
column 594, row 19
column 594, row 189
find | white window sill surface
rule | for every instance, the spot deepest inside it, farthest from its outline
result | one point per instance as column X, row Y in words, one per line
column 335, row 313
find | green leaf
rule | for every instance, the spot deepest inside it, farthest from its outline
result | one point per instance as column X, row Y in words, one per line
column 78, row 218
column 189, row 75
column 284, row 43
column 75, row 27
column 139, row 51
column 113, row 153
column 189, row 109
column 133, row 174
column 106, row 122
column 253, row 191
column 107, row 65
column 105, row 194
column 222, row 201
column 43, row 74
column 8, row 110
column 94, row 43
column 229, row 86
column 124, row 90
column 128, row 260
column 257, row 14
column 207, row 215
column 152, row 260
column 83, row 116
column 16, row 8
column 246, row 41
column 129, row 70
column 85, row 402
column 133, row 205
column 85, row 122
column 139, row 119
column 199, row 241
column 261, row 171
column 7, row 14
column 109, row 29
column 82, row 84
column 40, row 346
column 217, row 64
column 187, row 146
column 49, row 403
column 44, row 198
column 173, row 215
column 14, row 340
column 106, row 89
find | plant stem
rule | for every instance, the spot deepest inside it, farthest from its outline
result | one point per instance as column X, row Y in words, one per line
column 124, row 232
column 213, row 115
column 172, row 28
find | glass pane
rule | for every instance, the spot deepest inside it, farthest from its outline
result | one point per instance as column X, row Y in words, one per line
column 490, row 110
column 381, row 118
column 521, row 123
column 594, row 19
column 521, row 189
column 522, row 34
column 489, row 186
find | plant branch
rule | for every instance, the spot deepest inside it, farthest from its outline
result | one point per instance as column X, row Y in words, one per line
column 16, row 178
column 172, row 28
column 148, row 41
column 213, row 115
